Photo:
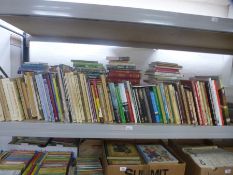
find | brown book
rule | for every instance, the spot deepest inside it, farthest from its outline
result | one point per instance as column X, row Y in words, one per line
column 3, row 102
column 186, row 105
column 19, row 85
column 26, row 98
column 102, row 102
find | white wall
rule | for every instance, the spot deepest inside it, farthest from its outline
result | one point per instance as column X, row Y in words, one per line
column 10, row 55
column 193, row 63
column 5, row 50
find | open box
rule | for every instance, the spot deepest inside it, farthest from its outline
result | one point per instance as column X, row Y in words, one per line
column 146, row 169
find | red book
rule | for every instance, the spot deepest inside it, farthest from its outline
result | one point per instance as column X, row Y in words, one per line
column 218, row 101
column 120, row 80
column 55, row 112
column 199, row 112
column 124, row 74
column 131, row 116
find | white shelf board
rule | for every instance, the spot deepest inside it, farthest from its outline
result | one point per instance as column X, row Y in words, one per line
column 114, row 131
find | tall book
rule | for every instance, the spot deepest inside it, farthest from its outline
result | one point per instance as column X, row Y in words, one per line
column 123, row 97
column 3, row 101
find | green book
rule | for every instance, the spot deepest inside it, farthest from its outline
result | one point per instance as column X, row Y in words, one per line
column 161, row 104
column 120, row 105
column 158, row 105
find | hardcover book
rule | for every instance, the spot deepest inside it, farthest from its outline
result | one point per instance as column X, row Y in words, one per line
column 156, row 154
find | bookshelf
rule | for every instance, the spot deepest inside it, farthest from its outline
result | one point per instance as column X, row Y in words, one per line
column 122, row 27
column 114, row 131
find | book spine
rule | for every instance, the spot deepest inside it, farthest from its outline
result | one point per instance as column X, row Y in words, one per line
column 47, row 77
column 120, row 105
column 185, row 102
column 160, row 119
column 197, row 104
column 171, row 118
column 123, row 74
column 64, row 98
column 161, row 104
column 131, row 114
column 147, row 104
column 121, row 87
column 137, row 106
column 41, row 97
column 133, row 103
column 215, row 102
column 92, row 103
column 106, row 97
column 164, row 102
column 155, row 117
column 218, row 103
column 224, row 106
column 114, row 102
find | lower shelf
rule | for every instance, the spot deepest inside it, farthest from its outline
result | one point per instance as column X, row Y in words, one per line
column 114, row 131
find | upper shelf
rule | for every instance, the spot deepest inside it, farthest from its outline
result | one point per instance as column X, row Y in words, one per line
column 98, row 24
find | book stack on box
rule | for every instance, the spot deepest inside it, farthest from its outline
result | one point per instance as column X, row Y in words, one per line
column 119, row 70
column 163, row 71
column 88, row 166
column 90, row 68
column 122, row 154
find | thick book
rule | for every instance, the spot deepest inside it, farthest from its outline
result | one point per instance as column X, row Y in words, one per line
column 120, row 105
column 124, row 74
column 153, row 154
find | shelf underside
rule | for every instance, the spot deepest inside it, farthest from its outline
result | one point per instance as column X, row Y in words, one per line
column 123, row 34
column 114, row 131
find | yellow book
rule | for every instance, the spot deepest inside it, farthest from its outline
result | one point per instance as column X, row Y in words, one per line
column 3, row 102
column 171, row 118
column 106, row 97
column 97, row 105
column 19, row 108
column 174, row 104
column 20, row 89
column 67, row 83
column 57, row 96
column 102, row 102
column 85, row 97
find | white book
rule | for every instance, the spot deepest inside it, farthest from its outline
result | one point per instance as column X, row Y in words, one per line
column 215, row 102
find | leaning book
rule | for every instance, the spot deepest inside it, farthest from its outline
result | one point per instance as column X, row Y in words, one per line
column 156, row 154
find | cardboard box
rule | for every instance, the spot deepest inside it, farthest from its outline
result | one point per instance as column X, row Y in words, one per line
column 191, row 167
column 224, row 143
column 91, row 148
column 146, row 169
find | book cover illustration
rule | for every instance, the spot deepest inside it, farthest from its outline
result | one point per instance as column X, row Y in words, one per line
column 121, row 150
column 156, row 154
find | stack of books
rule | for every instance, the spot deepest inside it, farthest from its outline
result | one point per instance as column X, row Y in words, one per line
column 156, row 154
column 88, row 165
column 34, row 67
column 55, row 163
column 163, row 71
column 16, row 160
column 122, row 154
column 90, row 68
column 119, row 69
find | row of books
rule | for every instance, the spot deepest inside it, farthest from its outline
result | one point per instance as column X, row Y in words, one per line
column 66, row 94
column 36, row 163
column 118, row 153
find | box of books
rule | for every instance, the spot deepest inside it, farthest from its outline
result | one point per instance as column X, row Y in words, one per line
column 122, row 158
column 203, row 158
column 226, row 144
column 91, row 148
column 161, row 160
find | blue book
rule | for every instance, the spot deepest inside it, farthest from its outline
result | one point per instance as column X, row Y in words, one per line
column 42, row 99
column 156, row 116
column 51, row 118
column 164, row 101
